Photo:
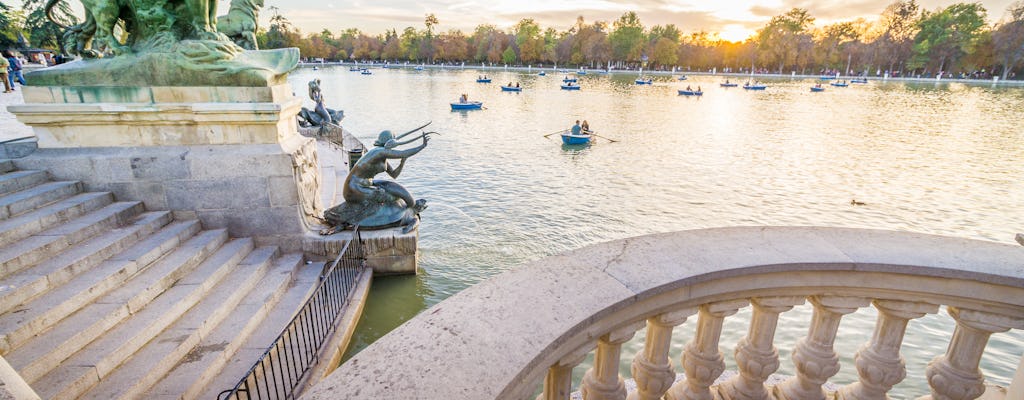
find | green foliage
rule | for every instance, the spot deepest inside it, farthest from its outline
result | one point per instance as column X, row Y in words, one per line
column 785, row 37
column 508, row 56
column 627, row 39
column 41, row 31
column 948, row 34
column 1008, row 38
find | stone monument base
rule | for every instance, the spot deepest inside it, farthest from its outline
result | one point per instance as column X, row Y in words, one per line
column 387, row 251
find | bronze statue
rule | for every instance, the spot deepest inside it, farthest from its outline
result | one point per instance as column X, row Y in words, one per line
column 375, row 203
column 241, row 22
column 320, row 116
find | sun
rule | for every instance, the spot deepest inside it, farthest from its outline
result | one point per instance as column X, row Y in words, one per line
column 735, row 33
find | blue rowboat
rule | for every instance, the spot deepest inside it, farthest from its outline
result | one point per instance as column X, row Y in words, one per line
column 511, row 89
column 354, row 69
column 690, row 93
column 571, row 87
column 366, row 72
column 581, row 72
column 728, row 84
column 682, row 77
column 471, row 105
column 418, row 68
column 865, row 80
column 817, row 89
column 826, row 78
column 484, row 80
column 643, row 82
column 839, row 84
column 755, row 87
column 542, row 73
column 567, row 80
column 568, row 138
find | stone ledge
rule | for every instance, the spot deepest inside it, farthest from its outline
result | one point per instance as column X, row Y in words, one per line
column 155, row 94
column 387, row 251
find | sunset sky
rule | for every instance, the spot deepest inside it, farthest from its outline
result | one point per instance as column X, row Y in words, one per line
column 735, row 20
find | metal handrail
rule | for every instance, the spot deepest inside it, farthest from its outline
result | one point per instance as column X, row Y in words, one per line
column 284, row 364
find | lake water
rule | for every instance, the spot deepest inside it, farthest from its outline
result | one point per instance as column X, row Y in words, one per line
column 940, row 158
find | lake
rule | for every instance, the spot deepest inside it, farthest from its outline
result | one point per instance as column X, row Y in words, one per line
column 943, row 158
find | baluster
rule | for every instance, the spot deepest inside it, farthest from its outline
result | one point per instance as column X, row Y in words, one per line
column 602, row 381
column 756, row 355
column 652, row 368
column 813, row 356
column 702, row 361
column 879, row 362
column 558, row 382
column 955, row 375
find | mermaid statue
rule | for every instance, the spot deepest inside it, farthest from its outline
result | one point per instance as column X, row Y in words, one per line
column 376, row 203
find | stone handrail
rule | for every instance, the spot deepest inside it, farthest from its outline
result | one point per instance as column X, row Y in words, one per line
column 501, row 338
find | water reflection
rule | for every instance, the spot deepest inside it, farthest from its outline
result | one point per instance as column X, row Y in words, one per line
column 935, row 158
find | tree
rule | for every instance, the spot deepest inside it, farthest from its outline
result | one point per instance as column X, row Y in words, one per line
column 427, row 42
column 664, row 52
column 948, row 34
column 780, row 41
column 281, row 33
column 508, row 56
column 8, row 30
column 410, row 44
column 529, row 41
column 1008, row 38
column 899, row 26
column 832, row 42
column 627, row 39
column 43, row 32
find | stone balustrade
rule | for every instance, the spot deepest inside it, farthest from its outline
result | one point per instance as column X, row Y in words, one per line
column 525, row 330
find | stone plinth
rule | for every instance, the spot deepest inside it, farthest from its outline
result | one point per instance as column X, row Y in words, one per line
column 229, row 156
column 387, row 251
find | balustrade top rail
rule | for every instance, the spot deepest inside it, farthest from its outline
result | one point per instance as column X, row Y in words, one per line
column 499, row 338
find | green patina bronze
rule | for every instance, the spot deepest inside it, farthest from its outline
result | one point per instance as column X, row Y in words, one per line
column 165, row 43
column 376, row 203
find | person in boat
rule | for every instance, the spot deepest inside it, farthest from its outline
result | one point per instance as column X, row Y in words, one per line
column 479, row 77
column 688, row 88
column 818, row 86
column 576, row 129
column 464, row 98
column 517, row 84
column 585, row 127
column 698, row 90
column 509, row 84
column 726, row 81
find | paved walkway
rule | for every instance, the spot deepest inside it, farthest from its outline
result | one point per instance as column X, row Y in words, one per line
column 10, row 128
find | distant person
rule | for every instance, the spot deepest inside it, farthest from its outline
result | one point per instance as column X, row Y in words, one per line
column 698, row 90
column 517, row 84
column 464, row 98
column 576, row 129
column 14, row 70
column 4, row 66
column 688, row 88
column 509, row 84
column 586, row 127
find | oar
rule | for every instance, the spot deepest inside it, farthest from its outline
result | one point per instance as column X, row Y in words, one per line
column 552, row 133
column 602, row 137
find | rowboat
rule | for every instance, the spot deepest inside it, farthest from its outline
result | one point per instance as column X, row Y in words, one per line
column 418, row 69
column 511, row 88
column 855, row 80
column 826, row 78
column 728, row 84
column 839, row 84
column 571, row 87
column 567, row 80
column 469, row 105
column 542, row 73
column 643, row 82
column 581, row 72
column 483, row 80
column 754, row 87
column 354, row 69
column 569, row 138
column 682, row 77
column 366, row 72
column 691, row 93
column 817, row 89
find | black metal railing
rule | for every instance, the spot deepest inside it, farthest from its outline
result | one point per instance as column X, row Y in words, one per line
column 282, row 368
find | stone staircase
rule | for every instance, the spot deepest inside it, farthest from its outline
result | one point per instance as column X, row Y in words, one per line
column 101, row 299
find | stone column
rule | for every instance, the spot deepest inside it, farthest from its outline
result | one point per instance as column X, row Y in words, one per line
column 879, row 362
column 558, row 382
column 652, row 368
column 756, row 355
column 955, row 375
column 602, row 381
column 702, row 361
column 813, row 355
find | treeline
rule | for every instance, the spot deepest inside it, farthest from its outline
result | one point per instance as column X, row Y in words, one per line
column 30, row 26
column 905, row 40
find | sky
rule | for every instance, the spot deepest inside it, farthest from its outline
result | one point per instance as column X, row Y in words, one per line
column 733, row 20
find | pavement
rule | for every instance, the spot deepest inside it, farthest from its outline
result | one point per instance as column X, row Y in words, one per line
column 10, row 128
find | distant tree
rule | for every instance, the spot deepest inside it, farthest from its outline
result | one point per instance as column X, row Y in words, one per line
column 281, row 33
column 509, row 55
column 1008, row 38
column 8, row 30
column 948, row 34
column 664, row 52
column 832, row 42
column 627, row 38
column 43, row 32
column 427, row 41
column 899, row 25
column 410, row 44
column 781, row 40
column 529, row 40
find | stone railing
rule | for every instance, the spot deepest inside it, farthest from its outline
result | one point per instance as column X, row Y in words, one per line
column 529, row 327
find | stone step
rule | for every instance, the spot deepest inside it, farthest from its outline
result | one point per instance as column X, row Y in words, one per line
column 14, row 229
column 207, row 360
column 72, row 281
column 189, row 337
column 14, row 181
column 44, row 352
column 42, row 245
column 99, row 359
column 6, row 166
column 303, row 284
column 37, row 196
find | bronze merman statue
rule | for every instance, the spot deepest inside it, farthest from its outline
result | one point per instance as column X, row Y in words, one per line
column 319, row 116
column 375, row 203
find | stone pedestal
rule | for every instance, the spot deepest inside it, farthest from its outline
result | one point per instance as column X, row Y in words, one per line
column 229, row 156
column 387, row 251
